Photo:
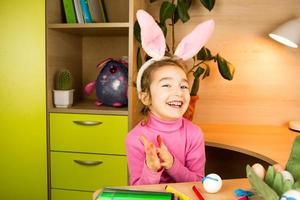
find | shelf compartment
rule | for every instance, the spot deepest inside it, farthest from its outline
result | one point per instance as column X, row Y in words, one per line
column 117, row 11
column 81, row 55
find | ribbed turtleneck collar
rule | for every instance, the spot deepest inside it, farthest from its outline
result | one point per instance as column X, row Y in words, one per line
column 163, row 125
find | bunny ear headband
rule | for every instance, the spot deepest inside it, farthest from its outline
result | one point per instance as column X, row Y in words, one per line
column 154, row 44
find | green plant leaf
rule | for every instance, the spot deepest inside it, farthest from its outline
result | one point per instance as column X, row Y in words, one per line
column 188, row 3
column 138, row 58
column 137, row 31
column 204, row 54
column 207, row 72
column 278, row 183
column 183, row 10
column 167, row 10
column 270, row 175
column 226, row 69
column 196, row 82
column 208, row 4
column 198, row 72
column 176, row 15
column 164, row 28
column 261, row 188
column 293, row 164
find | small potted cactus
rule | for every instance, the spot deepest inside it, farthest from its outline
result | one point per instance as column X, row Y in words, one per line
column 63, row 91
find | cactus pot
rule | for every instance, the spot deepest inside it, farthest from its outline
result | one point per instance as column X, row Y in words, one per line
column 63, row 98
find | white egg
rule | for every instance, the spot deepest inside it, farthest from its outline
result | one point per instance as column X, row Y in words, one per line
column 259, row 170
column 212, row 183
column 287, row 176
column 291, row 194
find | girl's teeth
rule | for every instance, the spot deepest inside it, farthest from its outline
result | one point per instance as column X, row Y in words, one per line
column 175, row 103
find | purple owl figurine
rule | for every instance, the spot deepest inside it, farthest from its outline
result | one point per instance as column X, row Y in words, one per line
column 111, row 84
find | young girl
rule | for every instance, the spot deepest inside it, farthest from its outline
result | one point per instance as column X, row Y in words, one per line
column 165, row 147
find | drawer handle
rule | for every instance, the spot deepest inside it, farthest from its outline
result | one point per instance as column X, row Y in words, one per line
column 88, row 162
column 88, row 123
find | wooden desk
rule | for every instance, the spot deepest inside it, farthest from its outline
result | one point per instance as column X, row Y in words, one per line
column 269, row 143
column 226, row 193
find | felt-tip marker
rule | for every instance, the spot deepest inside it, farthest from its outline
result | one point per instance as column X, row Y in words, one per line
column 180, row 195
column 197, row 192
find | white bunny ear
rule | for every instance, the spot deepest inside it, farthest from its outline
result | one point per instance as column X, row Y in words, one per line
column 153, row 40
column 194, row 41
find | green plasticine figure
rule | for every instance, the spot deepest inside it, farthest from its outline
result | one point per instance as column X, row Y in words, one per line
column 273, row 185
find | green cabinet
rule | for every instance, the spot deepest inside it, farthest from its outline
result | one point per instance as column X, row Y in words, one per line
column 87, row 153
column 87, row 172
column 88, row 133
column 23, row 151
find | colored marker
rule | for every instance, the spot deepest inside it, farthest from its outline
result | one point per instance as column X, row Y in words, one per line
column 180, row 195
column 197, row 192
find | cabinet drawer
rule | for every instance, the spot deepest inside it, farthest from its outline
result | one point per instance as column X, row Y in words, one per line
column 68, row 173
column 57, row 194
column 88, row 133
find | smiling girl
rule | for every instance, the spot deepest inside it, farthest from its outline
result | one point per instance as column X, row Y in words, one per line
column 165, row 147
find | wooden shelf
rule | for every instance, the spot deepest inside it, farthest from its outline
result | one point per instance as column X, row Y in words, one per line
column 88, row 107
column 99, row 29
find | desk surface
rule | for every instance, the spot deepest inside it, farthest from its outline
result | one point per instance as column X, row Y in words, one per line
column 269, row 143
column 226, row 192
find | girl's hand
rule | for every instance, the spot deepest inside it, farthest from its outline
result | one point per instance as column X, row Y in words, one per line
column 152, row 159
column 166, row 158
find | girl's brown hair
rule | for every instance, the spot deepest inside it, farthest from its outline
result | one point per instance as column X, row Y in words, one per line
column 147, row 79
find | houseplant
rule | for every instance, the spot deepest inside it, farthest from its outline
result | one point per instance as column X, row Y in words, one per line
column 63, row 92
column 173, row 11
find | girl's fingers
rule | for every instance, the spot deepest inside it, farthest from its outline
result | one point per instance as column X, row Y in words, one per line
column 159, row 140
column 161, row 143
column 144, row 140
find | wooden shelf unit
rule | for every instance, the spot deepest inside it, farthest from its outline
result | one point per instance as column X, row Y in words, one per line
column 80, row 47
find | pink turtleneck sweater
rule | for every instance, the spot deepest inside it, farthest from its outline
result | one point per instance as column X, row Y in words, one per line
column 184, row 141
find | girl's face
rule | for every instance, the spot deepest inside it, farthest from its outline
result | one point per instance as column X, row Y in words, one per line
column 170, row 95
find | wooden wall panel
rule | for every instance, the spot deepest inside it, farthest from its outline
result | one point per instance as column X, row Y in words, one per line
column 266, row 86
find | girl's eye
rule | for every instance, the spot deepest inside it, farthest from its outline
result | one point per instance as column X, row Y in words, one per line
column 166, row 85
column 184, row 87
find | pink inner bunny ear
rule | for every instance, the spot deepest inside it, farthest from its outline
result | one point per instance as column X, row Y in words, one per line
column 194, row 41
column 153, row 40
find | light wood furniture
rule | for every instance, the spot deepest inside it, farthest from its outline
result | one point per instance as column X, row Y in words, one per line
column 226, row 192
column 80, row 47
column 84, row 156
column 270, row 143
column 23, row 168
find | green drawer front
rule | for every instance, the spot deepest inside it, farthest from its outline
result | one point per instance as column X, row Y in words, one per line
column 57, row 194
column 68, row 174
column 108, row 137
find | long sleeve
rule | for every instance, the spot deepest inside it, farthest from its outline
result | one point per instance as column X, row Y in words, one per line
column 140, row 174
column 193, row 169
